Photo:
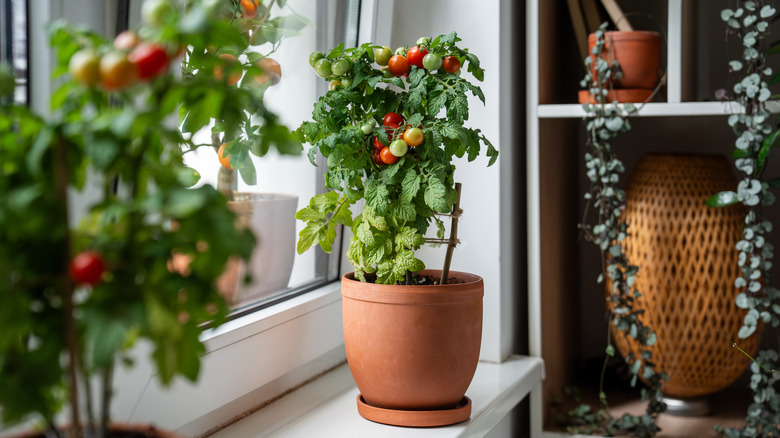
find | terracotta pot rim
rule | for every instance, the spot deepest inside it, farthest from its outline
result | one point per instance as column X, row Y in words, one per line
column 470, row 290
column 629, row 35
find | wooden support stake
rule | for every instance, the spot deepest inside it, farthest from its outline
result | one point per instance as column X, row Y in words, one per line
column 453, row 240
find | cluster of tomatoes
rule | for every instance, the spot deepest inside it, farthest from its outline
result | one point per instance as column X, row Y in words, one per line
column 131, row 60
column 271, row 71
column 412, row 137
column 401, row 62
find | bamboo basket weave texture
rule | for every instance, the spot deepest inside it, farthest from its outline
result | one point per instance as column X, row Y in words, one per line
column 687, row 263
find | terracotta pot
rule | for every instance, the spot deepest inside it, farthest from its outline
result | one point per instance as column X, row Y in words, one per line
column 638, row 54
column 413, row 348
column 633, row 95
column 118, row 430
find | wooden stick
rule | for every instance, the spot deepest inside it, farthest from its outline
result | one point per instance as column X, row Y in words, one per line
column 445, row 272
column 616, row 14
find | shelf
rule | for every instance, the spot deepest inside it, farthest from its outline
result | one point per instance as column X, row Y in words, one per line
column 659, row 109
column 326, row 407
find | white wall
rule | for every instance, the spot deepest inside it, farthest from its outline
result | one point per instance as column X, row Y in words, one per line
column 477, row 24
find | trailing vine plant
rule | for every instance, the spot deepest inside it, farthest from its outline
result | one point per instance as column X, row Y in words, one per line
column 755, row 138
column 605, row 121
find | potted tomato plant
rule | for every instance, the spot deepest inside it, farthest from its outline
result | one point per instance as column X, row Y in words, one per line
column 76, row 297
column 238, row 137
column 390, row 127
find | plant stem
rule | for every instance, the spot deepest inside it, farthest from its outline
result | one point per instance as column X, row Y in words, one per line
column 71, row 342
column 445, row 272
column 108, row 377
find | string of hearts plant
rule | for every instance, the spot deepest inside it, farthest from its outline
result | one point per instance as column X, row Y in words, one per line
column 604, row 122
column 390, row 136
column 755, row 138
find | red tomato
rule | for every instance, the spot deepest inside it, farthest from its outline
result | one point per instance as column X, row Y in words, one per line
column 376, row 156
column 87, row 267
column 387, row 156
column 398, row 65
column 416, row 55
column 377, row 144
column 149, row 59
column 450, row 64
column 413, row 136
column 392, row 118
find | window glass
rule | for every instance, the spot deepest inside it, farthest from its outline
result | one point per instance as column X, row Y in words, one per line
column 13, row 43
column 284, row 183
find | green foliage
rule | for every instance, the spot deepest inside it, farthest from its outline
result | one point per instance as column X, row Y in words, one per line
column 401, row 199
column 129, row 139
column 604, row 122
column 756, row 138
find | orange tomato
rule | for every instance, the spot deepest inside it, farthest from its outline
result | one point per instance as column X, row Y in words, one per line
column 84, row 67
column 271, row 71
column 224, row 159
column 219, row 70
column 116, row 72
column 250, row 6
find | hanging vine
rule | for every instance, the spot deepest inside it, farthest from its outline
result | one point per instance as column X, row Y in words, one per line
column 755, row 138
column 604, row 122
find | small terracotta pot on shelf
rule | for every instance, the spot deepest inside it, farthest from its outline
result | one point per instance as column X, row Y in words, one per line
column 638, row 53
column 413, row 350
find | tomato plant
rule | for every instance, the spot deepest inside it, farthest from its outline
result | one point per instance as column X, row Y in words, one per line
column 415, row 56
column 450, row 64
column 387, row 156
column 116, row 72
column 84, row 67
column 398, row 65
column 87, row 267
column 402, row 196
column 413, row 136
column 149, row 60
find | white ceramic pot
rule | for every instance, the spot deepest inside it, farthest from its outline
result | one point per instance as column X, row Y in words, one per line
column 271, row 217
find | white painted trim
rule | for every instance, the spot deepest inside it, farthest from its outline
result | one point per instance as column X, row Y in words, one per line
column 674, row 52
column 245, row 358
column 327, row 407
column 532, row 170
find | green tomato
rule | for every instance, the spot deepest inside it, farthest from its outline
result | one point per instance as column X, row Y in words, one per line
column 386, row 73
column 423, row 41
column 314, row 57
column 341, row 66
column 334, row 84
column 401, row 51
column 155, row 11
column 399, row 148
column 346, row 82
column 382, row 55
column 432, row 61
column 323, row 68
column 367, row 128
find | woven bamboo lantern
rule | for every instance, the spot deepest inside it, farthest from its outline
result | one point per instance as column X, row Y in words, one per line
column 687, row 267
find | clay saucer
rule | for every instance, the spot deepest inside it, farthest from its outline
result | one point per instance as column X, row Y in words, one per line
column 443, row 417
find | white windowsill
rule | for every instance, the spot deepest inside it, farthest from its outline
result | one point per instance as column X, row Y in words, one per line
column 326, row 407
